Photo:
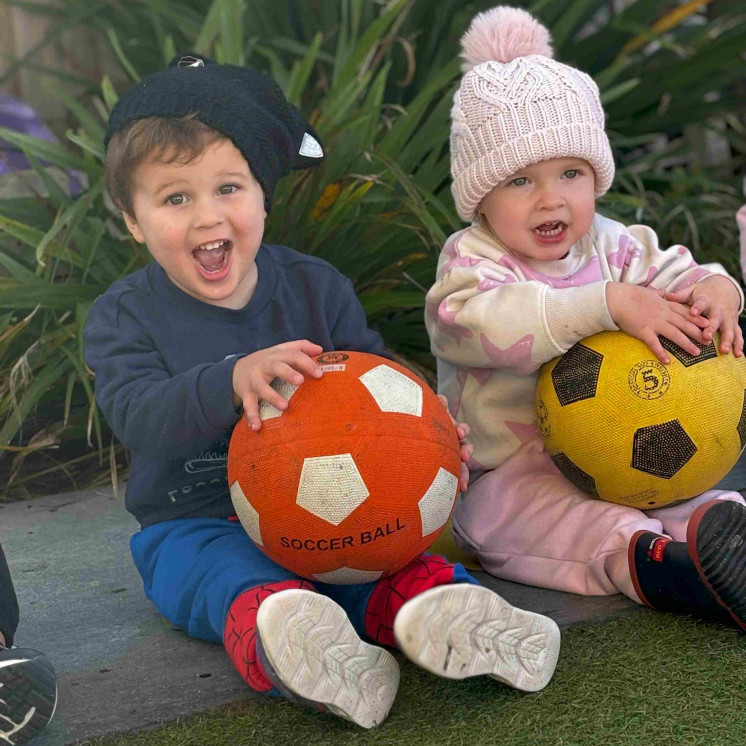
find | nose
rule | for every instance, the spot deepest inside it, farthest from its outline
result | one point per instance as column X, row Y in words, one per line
column 207, row 214
column 550, row 197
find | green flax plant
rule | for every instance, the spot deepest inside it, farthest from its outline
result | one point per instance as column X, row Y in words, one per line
column 376, row 80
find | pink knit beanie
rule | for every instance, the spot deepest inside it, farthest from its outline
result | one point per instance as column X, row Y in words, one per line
column 517, row 106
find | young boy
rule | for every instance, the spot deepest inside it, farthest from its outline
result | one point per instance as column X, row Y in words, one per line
column 182, row 345
column 28, row 683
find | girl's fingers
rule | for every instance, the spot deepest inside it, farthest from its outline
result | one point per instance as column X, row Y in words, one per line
column 679, row 338
column 699, row 307
column 687, row 327
column 726, row 336
column 652, row 341
column 738, row 341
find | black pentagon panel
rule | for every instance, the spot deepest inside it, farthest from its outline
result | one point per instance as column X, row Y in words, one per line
column 575, row 474
column 662, row 449
column 575, row 376
column 742, row 422
column 707, row 352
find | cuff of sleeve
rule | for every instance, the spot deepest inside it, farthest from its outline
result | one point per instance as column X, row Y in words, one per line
column 576, row 313
column 215, row 387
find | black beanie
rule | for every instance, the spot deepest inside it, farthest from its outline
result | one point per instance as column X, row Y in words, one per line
column 245, row 105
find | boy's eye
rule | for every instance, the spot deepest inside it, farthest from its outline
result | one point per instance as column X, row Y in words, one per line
column 520, row 181
column 175, row 199
column 227, row 189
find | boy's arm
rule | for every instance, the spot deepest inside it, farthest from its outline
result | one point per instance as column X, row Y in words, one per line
column 154, row 413
column 350, row 330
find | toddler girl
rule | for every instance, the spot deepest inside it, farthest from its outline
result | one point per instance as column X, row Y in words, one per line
column 537, row 271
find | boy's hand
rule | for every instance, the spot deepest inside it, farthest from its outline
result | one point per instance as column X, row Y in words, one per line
column 253, row 374
column 644, row 313
column 462, row 430
column 717, row 299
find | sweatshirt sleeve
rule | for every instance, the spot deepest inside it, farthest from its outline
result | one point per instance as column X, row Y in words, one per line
column 483, row 313
column 349, row 325
column 154, row 413
column 638, row 259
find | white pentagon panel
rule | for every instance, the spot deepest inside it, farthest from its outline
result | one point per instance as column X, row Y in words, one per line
column 331, row 487
column 348, row 576
column 246, row 514
column 435, row 505
column 393, row 391
column 286, row 390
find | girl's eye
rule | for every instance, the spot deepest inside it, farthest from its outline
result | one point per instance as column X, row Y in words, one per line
column 227, row 189
column 175, row 199
column 520, row 181
column 572, row 173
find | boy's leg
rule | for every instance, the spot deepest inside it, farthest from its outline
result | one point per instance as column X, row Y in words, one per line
column 28, row 682
column 527, row 523
column 445, row 622
column 207, row 577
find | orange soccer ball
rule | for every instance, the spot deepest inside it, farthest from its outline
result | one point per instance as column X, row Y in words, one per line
column 354, row 479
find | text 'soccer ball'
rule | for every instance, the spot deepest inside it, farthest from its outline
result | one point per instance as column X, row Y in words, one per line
column 627, row 429
column 355, row 479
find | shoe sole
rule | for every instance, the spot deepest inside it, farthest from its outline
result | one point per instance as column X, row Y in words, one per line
column 458, row 631
column 716, row 540
column 28, row 695
column 315, row 651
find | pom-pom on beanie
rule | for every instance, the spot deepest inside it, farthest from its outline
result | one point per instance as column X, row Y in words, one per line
column 242, row 104
column 517, row 106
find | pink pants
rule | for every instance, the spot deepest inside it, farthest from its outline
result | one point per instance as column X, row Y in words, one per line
column 526, row 522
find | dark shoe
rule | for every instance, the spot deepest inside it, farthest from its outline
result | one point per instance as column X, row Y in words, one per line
column 704, row 576
column 312, row 655
column 716, row 539
column 28, row 694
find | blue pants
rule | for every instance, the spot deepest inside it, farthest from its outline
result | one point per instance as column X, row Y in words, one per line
column 193, row 569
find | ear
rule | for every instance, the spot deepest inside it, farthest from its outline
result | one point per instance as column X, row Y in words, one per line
column 133, row 226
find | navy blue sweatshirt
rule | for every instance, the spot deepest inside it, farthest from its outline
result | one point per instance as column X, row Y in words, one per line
column 164, row 365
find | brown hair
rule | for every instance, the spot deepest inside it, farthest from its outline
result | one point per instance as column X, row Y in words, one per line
column 169, row 140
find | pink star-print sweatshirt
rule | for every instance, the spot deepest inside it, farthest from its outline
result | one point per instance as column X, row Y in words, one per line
column 494, row 319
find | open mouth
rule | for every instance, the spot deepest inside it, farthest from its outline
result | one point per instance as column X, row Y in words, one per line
column 550, row 229
column 212, row 257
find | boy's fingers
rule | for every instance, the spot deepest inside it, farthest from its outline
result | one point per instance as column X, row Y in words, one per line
column 304, row 364
column 286, row 373
column 251, row 410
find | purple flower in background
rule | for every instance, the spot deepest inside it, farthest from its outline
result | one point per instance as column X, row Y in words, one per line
column 16, row 114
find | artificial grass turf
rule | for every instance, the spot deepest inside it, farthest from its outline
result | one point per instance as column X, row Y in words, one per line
column 643, row 679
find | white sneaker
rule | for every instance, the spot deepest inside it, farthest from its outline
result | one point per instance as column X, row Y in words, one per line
column 463, row 630
column 312, row 654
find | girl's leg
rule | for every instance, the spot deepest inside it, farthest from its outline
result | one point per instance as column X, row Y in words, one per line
column 676, row 518
column 527, row 523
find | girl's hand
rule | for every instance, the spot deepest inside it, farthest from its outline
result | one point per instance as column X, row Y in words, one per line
column 462, row 430
column 716, row 299
column 645, row 314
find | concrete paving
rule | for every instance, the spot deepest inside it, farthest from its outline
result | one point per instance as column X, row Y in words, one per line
column 120, row 667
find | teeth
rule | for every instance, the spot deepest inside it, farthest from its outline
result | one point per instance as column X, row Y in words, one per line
column 212, row 245
column 552, row 232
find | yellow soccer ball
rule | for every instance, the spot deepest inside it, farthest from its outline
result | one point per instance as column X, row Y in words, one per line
column 627, row 429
